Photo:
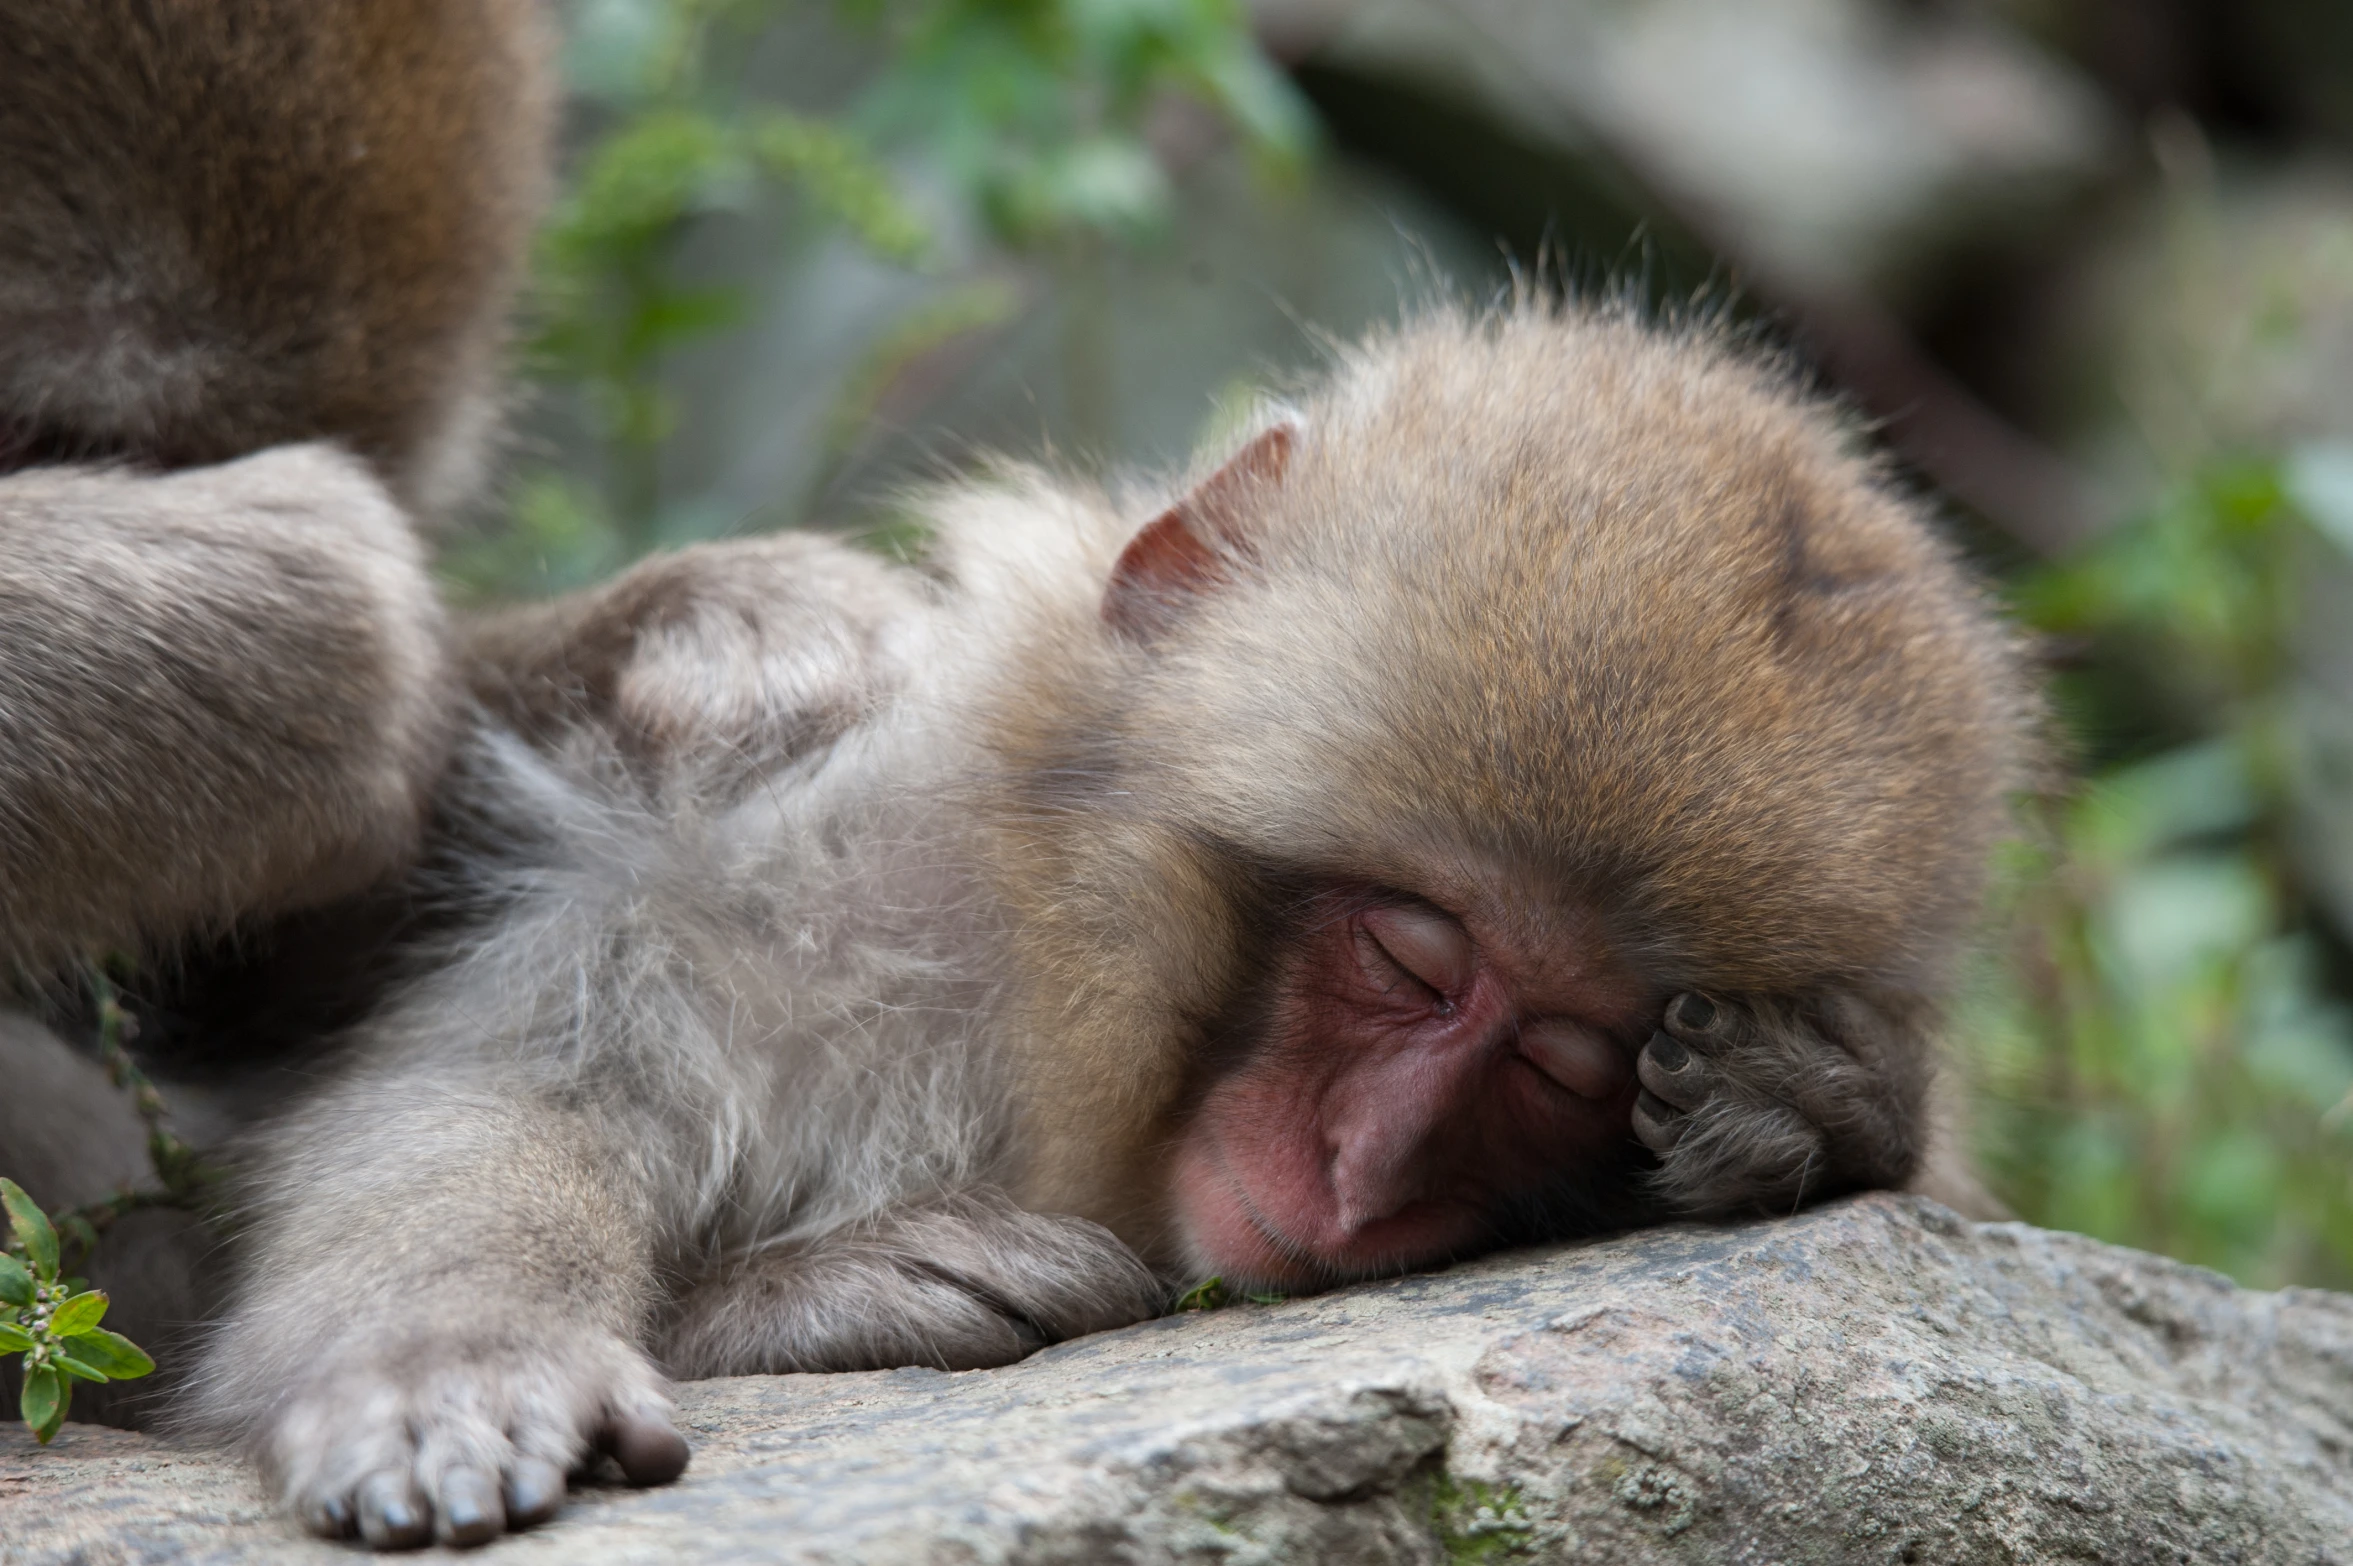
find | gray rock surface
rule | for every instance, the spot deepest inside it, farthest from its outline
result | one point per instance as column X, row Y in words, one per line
column 1872, row 1381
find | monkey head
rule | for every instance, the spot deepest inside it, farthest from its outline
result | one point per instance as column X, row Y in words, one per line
column 1550, row 703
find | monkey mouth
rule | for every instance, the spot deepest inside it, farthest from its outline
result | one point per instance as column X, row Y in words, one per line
column 1227, row 1231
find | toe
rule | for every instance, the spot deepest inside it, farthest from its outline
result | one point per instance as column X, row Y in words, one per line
column 392, row 1515
column 535, row 1488
column 328, row 1516
column 469, row 1510
column 647, row 1448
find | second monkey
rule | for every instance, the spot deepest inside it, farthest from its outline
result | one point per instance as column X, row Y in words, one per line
column 1543, row 783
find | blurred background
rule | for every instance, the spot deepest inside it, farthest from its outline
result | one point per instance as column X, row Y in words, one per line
column 2087, row 263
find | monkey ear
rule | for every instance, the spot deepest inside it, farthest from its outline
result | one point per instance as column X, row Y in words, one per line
column 1183, row 551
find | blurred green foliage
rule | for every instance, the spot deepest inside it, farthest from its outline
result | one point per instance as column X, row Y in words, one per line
column 1030, row 116
column 2160, row 1058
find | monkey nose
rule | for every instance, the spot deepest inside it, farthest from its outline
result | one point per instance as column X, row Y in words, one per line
column 1376, row 1170
column 1576, row 1057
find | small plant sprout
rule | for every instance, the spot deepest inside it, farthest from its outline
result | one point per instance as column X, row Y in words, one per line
column 53, row 1321
column 1212, row 1294
column 1208, row 1294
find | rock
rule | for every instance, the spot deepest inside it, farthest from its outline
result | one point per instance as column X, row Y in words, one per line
column 1872, row 1381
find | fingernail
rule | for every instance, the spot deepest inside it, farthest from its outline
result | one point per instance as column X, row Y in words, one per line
column 649, row 1451
column 534, row 1490
column 388, row 1517
column 1694, row 1010
column 330, row 1518
column 470, row 1510
column 1667, row 1052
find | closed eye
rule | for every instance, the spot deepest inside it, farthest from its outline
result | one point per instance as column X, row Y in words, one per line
column 1420, row 946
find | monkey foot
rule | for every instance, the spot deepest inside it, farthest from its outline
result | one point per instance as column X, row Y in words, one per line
column 458, row 1444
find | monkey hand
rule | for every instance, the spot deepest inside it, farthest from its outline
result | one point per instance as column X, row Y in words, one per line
column 747, row 653
column 461, row 1433
column 1760, row 1107
column 958, row 1282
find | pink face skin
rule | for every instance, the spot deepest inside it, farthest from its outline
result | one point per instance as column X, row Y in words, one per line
column 1422, row 1066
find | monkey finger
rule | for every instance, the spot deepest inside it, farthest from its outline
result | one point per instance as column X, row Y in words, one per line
column 328, row 1516
column 392, row 1515
column 535, row 1488
column 1658, row 1125
column 468, row 1509
column 648, row 1449
column 1693, row 1017
column 1674, row 1074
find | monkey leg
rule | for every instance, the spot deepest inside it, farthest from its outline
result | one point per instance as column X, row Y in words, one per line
column 959, row 1282
column 1762, row 1106
column 448, row 1287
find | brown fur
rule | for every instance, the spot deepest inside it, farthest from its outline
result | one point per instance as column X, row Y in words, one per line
column 208, row 713
column 230, row 224
column 855, row 944
column 255, row 259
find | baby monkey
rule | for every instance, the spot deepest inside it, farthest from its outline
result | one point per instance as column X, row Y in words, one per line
column 1541, row 783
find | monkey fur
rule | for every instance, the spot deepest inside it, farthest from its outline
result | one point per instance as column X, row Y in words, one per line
column 228, row 226
column 1543, row 782
column 255, row 262
column 231, row 224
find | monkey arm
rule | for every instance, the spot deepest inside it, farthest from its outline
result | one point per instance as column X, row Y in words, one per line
column 959, row 1282
column 456, row 1250
column 450, row 1279
column 1757, row 1107
column 220, row 693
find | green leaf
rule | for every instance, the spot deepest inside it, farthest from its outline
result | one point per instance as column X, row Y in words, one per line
column 112, row 1353
column 75, row 1368
column 1208, row 1294
column 16, row 1284
column 14, row 1339
column 78, row 1314
column 43, row 1403
column 31, row 1227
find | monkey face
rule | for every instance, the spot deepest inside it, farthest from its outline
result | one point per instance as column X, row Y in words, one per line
column 1422, row 1069
column 1517, row 685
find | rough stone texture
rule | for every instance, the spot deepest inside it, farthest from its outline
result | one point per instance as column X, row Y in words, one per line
column 1873, row 1381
